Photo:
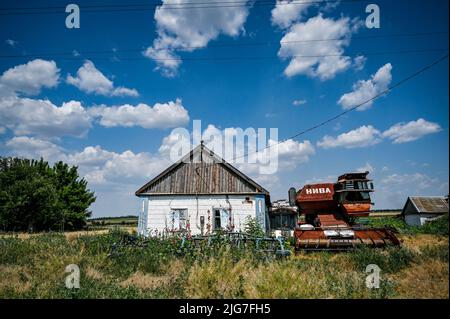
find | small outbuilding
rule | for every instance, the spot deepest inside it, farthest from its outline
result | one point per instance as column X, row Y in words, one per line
column 201, row 194
column 419, row 210
column 283, row 218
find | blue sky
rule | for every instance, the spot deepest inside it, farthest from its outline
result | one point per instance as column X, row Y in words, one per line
column 226, row 67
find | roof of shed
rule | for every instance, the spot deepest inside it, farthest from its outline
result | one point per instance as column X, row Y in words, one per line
column 428, row 204
column 201, row 171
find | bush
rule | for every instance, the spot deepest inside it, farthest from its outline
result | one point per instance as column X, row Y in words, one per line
column 253, row 227
column 438, row 226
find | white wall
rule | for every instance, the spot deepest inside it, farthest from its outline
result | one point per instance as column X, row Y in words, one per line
column 156, row 210
column 418, row 219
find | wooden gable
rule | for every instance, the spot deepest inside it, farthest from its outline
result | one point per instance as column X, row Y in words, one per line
column 201, row 172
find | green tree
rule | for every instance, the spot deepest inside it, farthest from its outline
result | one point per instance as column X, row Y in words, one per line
column 35, row 196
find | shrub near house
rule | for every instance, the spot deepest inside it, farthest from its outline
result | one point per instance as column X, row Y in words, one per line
column 36, row 196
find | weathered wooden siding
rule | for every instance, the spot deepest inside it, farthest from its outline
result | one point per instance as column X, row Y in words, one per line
column 156, row 210
column 200, row 178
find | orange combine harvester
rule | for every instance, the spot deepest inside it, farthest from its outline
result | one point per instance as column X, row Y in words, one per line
column 330, row 211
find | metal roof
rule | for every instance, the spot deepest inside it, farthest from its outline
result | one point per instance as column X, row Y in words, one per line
column 428, row 204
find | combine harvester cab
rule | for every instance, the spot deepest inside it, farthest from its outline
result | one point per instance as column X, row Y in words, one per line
column 330, row 210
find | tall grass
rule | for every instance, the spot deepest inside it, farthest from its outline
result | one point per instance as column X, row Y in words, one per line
column 34, row 268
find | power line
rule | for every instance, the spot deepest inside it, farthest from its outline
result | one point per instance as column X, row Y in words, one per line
column 238, row 44
column 238, row 58
column 189, row 4
column 390, row 88
column 160, row 6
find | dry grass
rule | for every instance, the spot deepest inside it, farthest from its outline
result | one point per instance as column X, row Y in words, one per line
column 145, row 281
column 70, row 235
column 14, row 278
column 148, row 281
column 302, row 276
column 425, row 281
column 216, row 278
column 93, row 273
column 418, row 242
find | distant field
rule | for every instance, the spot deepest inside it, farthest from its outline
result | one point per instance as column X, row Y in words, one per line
column 94, row 231
column 385, row 213
column 111, row 221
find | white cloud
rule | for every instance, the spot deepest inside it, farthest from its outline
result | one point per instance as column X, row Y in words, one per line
column 359, row 62
column 43, row 118
column 25, row 116
column 364, row 90
column 392, row 190
column 11, row 42
column 176, row 144
column 320, row 180
column 102, row 167
column 123, row 91
column 299, row 102
column 411, row 131
column 40, row 117
column 98, row 166
column 360, row 137
column 419, row 180
column 31, row 147
column 322, row 59
column 367, row 135
column 31, row 77
column 272, row 160
column 161, row 115
column 292, row 153
column 286, row 156
column 90, row 80
column 187, row 30
column 366, row 168
column 288, row 11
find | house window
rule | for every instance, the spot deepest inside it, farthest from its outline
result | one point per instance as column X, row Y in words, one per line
column 221, row 218
column 179, row 219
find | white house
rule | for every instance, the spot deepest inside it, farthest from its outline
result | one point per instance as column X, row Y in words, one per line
column 200, row 194
column 420, row 209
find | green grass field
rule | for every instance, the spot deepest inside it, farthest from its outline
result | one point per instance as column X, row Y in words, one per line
column 112, row 221
column 34, row 267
